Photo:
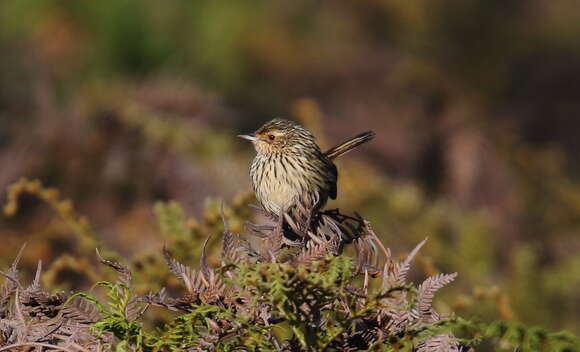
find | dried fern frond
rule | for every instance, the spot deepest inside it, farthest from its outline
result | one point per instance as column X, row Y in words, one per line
column 397, row 272
column 81, row 311
column 439, row 343
column 314, row 251
column 11, row 282
column 203, row 285
column 427, row 291
column 231, row 248
column 41, row 319
column 190, row 277
column 125, row 277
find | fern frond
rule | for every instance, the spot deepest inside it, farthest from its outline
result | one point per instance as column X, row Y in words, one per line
column 10, row 283
column 439, row 343
column 125, row 276
column 427, row 291
column 81, row 310
column 191, row 279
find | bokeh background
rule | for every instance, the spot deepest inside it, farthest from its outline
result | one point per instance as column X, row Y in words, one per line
column 122, row 104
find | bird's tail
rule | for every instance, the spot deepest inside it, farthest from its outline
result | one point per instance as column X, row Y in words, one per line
column 349, row 144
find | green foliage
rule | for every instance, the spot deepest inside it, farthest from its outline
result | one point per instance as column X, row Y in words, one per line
column 508, row 336
column 115, row 319
column 172, row 221
column 293, row 294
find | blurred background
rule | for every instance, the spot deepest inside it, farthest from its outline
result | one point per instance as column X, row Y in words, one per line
column 122, row 104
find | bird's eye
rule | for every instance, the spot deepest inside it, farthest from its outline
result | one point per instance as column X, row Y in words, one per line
column 271, row 137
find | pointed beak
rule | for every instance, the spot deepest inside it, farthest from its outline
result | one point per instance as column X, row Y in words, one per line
column 250, row 137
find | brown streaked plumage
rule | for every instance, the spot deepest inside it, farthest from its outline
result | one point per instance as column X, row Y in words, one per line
column 289, row 164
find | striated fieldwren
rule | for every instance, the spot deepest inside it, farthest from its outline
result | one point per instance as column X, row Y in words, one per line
column 289, row 165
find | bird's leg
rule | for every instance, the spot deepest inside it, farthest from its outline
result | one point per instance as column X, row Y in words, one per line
column 280, row 223
column 258, row 230
column 264, row 212
column 309, row 221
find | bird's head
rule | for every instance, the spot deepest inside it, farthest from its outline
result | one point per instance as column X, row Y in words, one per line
column 279, row 135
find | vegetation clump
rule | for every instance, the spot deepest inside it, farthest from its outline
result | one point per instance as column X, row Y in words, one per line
column 293, row 286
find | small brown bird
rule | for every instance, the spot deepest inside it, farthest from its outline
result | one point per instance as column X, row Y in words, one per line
column 289, row 165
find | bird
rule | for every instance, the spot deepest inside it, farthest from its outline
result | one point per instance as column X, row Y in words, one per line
column 289, row 166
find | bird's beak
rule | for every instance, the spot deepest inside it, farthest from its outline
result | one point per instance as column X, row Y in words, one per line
column 250, row 137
